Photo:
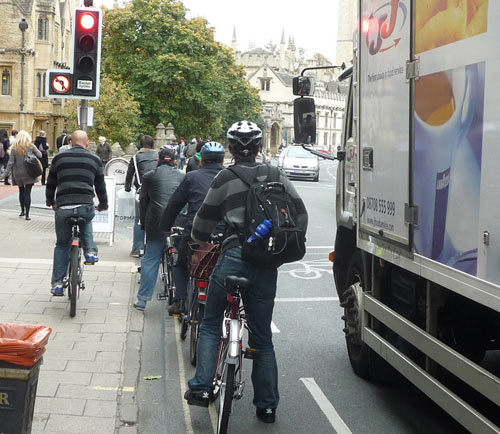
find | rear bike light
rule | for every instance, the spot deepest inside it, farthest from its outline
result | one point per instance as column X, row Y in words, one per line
column 201, row 283
column 202, row 296
column 75, row 243
column 230, row 298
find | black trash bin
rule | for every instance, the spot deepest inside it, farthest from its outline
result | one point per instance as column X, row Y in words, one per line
column 21, row 350
column 17, row 397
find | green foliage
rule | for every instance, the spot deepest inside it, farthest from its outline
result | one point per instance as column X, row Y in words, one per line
column 116, row 114
column 175, row 70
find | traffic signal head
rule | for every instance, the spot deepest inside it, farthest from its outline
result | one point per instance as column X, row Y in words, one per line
column 86, row 53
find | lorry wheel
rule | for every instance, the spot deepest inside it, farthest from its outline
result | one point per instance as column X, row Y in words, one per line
column 356, row 282
column 364, row 361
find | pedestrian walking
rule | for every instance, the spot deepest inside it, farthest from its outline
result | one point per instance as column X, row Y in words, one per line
column 41, row 144
column 182, row 157
column 103, row 150
column 20, row 149
column 63, row 139
column 143, row 161
column 158, row 185
column 226, row 200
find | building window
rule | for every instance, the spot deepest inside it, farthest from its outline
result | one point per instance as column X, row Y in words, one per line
column 334, row 139
column 44, row 93
column 334, row 120
column 265, row 84
column 325, row 139
column 38, row 84
column 43, row 29
column 326, row 119
column 5, row 82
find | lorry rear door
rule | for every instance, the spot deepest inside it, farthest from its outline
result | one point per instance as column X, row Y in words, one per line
column 384, row 119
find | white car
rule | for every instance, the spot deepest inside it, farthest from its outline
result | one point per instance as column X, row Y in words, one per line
column 298, row 163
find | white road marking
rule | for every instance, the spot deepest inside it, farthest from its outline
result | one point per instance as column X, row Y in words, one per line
column 334, row 175
column 326, row 406
column 302, row 299
column 274, row 329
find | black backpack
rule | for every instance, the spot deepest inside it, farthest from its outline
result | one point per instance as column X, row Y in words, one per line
column 269, row 200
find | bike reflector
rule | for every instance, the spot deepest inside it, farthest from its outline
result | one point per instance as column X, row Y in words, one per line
column 202, row 283
column 74, row 243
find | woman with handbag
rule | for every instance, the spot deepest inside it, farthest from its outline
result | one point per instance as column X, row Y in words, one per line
column 41, row 144
column 21, row 158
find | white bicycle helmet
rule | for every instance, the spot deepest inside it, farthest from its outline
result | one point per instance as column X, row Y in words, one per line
column 245, row 134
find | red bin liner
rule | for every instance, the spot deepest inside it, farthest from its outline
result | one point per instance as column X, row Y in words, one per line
column 23, row 344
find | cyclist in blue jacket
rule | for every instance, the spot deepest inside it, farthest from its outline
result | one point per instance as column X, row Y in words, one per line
column 191, row 191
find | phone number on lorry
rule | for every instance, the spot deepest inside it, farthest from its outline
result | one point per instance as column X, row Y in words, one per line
column 382, row 206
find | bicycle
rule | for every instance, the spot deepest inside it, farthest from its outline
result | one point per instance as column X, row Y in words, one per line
column 228, row 383
column 74, row 277
column 168, row 261
column 202, row 262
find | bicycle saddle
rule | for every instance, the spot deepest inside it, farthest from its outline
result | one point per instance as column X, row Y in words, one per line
column 234, row 282
column 80, row 221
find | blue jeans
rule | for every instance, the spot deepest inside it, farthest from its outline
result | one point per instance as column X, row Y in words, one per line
column 259, row 304
column 63, row 238
column 150, row 264
column 138, row 241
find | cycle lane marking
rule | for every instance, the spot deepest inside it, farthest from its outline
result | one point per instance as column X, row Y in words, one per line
column 326, row 406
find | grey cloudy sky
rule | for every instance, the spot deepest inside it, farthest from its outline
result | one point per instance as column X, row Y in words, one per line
column 312, row 23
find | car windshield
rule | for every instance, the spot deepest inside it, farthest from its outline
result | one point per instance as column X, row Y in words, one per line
column 299, row 152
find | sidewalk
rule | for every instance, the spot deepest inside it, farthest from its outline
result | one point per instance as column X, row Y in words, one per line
column 88, row 378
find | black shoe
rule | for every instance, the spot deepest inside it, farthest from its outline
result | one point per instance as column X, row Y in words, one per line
column 27, row 217
column 178, row 307
column 7, row 183
column 22, row 214
column 200, row 398
column 266, row 415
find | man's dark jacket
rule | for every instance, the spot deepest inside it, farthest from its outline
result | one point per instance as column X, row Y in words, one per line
column 147, row 159
column 191, row 191
column 157, row 187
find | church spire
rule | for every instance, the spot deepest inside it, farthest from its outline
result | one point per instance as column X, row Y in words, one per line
column 234, row 44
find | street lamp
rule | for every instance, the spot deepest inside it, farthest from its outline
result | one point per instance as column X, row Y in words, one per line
column 23, row 26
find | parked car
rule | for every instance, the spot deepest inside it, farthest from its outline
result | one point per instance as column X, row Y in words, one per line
column 298, row 163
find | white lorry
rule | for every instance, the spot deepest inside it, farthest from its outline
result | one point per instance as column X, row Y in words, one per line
column 417, row 247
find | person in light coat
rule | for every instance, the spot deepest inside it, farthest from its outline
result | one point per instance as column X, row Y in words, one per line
column 20, row 177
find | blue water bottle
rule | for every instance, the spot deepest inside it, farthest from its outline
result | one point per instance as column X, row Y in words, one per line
column 261, row 231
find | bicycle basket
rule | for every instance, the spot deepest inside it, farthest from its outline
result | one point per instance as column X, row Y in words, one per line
column 203, row 260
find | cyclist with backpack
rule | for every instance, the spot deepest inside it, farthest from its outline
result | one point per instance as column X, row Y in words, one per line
column 233, row 197
column 191, row 191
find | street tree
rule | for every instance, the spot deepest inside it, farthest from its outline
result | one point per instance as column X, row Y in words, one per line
column 116, row 114
column 175, row 69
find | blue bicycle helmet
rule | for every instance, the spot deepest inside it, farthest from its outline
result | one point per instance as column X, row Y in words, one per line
column 212, row 151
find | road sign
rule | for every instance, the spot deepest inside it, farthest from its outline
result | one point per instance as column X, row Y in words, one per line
column 59, row 83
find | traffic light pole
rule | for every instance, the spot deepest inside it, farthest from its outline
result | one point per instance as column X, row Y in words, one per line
column 84, row 114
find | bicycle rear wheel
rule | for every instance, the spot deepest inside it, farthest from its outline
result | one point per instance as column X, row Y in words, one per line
column 169, row 280
column 197, row 317
column 226, row 397
column 73, row 279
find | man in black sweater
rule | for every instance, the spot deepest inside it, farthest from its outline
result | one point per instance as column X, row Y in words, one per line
column 72, row 178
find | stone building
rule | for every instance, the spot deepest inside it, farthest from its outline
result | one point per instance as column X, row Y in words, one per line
column 271, row 70
column 47, row 45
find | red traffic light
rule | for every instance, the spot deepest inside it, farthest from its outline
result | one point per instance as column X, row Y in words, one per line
column 87, row 21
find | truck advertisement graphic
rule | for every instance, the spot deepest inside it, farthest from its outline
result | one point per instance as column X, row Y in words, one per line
column 441, row 22
column 448, row 146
